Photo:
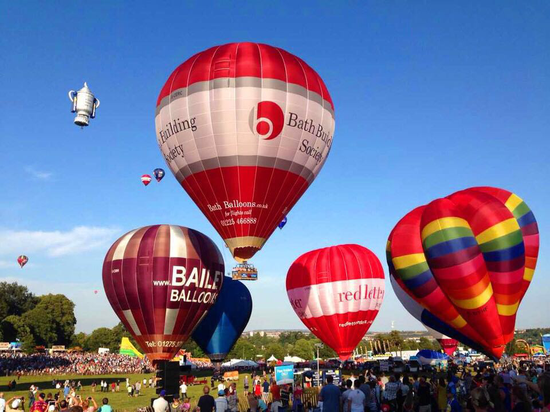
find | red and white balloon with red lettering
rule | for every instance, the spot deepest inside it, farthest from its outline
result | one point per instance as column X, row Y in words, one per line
column 337, row 292
column 245, row 128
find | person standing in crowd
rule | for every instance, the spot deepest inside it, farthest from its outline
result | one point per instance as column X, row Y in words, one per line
column 175, row 405
column 356, row 398
column 160, row 404
column 221, row 402
column 246, row 384
column 344, row 400
column 32, row 392
column 89, row 405
column 252, row 402
column 452, row 403
column 275, row 392
column 137, row 389
column 297, row 405
column 285, row 397
column 390, row 392
column 481, row 400
column 265, row 390
column 183, row 390
column 330, row 396
column 105, row 407
column 232, row 399
column 186, row 406
column 40, row 405
column 206, row 401
column 424, row 397
column 2, row 402
column 441, row 395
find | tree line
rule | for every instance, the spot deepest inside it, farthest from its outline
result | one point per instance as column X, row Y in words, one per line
column 50, row 320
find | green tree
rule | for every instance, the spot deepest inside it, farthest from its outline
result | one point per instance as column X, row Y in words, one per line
column 79, row 340
column 14, row 327
column 243, row 349
column 52, row 321
column 28, row 344
column 303, row 349
column 102, row 338
column 15, row 299
column 275, row 349
column 425, row 343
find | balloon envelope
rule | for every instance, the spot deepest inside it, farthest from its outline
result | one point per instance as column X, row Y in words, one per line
column 159, row 174
column 337, row 292
column 145, row 179
column 225, row 321
column 469, row 258
column 22, row 260
column 161, row 280
column 245, row 128
column 431, row 357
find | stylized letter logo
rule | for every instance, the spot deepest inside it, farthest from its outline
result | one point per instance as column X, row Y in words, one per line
column 268, row 120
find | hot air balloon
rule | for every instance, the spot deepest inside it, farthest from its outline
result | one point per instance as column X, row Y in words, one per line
column 146, row 179
column 337, row 292
column 159, row 174
column 161, row 280
column 448, row 344
column 225, row 321
column 431, row 357
column 245, row 128
column 469, row 258
column 283, row 223
column 22, row 260
column 95, row 292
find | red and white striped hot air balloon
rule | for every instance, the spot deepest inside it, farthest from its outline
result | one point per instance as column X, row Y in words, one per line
column 337, row 292
column 245, row 128
column 161, row 280
column 146, row 179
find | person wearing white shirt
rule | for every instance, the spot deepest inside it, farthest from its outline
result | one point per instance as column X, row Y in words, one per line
column 2, row 403
column 221, row 387
column 160, row 404
column 356, row 399
column 183, row 390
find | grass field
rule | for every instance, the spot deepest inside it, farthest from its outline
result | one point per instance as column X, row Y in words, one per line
column 120, row 401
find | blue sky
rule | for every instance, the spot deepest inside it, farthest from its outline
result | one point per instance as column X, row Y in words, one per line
column 430, row 98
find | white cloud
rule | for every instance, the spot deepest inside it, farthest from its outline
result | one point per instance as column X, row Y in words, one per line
column 55, row 243
column 6, row 264
column 38, row 174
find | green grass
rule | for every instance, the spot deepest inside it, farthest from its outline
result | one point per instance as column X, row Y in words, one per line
column 120, row 401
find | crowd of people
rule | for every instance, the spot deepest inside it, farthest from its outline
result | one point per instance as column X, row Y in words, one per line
column 70, row 363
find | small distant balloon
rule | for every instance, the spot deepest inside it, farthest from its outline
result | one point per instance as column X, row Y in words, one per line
column 95, row 292
column 22, row 260
column 283, row 223
column 146, row 179
column 159, row 174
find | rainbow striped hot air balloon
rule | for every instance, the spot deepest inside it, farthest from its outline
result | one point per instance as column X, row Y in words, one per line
column 469, row 258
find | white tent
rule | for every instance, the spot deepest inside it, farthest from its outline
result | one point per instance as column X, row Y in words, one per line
column 272, row 359
column 239, row 363
column 293, row 359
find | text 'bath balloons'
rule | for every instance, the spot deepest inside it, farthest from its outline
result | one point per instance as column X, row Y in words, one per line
column 469, row 258
column 337, row 292
column 225, row 321
column 245, row 128
column 161, row 280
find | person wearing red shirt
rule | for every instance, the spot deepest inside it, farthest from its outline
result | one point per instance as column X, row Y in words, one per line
column 40, row 405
